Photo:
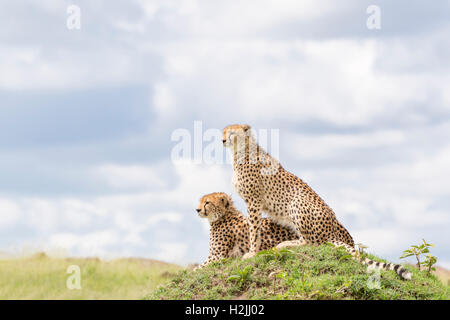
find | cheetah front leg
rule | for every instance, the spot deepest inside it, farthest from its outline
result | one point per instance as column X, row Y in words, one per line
column 254, row 221
column 217, row 253
column 208, row 261
column 219, row 249
column 294, row 243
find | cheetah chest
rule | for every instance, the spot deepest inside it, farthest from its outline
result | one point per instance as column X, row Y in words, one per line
column 235, row 182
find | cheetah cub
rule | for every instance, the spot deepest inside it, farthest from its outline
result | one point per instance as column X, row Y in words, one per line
column 229, row 229
column 266, row 186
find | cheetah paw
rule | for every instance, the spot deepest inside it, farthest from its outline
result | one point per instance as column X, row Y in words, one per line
column 248, row 255
column 290, row 244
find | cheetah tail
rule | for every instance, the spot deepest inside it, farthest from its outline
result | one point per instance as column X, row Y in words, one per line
column 400, row 270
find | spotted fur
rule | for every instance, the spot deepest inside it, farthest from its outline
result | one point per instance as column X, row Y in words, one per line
column 266, row 186
column 229, row 234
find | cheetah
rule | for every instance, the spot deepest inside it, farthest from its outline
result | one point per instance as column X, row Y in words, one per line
column 229, row 229
column 266, row 186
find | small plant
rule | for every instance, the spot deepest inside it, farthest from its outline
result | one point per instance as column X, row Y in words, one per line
column 241, row 276
column 345, row 257
column 345, row 287
column 417, row 251
column 279, row 274
column 361, row 248
column 303, row 284
column 276, row 254
column 340, row 252
column 429, row 262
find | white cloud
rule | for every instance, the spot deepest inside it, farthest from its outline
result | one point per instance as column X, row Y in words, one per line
column 172, row 217
column 41, row 214
column 92, row 244
column 10, row 213
column 179, row 65
column 137, row 26
column 194, row 180
column 77, row 213
column 329, row 145
column 134, row 239
column 336, row 81
column 131, row 176
column 383, row 241
column 205, row 225
column 172, row 252
column 403, row 191
column 134, row 225
column 163, row 99
column 47, row 215
column 427, row 175
column 235, row 18
column 128, row 215
column 31, row 68
column 127, row 221
column 343, row 80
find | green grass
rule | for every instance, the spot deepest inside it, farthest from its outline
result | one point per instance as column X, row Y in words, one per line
column 323, row 272
column 41, row 277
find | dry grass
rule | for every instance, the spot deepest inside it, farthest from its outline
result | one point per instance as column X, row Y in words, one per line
column 41, row 277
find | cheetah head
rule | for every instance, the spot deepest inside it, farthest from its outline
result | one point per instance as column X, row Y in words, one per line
column 235, row 134
column 214, row 205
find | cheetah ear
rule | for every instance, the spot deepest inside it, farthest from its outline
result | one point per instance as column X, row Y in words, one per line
column 246, row 127
column 225, row 202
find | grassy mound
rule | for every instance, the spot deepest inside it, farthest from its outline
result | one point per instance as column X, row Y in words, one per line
column 323, row 272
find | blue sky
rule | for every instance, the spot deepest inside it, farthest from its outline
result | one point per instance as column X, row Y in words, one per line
column 86, row 118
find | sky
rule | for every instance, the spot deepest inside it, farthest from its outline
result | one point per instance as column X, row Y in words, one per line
column 88, row 118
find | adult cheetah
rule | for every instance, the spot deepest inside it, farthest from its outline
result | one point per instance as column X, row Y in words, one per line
column 229, row 235
column 266, row 186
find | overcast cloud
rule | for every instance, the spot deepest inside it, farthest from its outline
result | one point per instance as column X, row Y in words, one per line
column 86, row 118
